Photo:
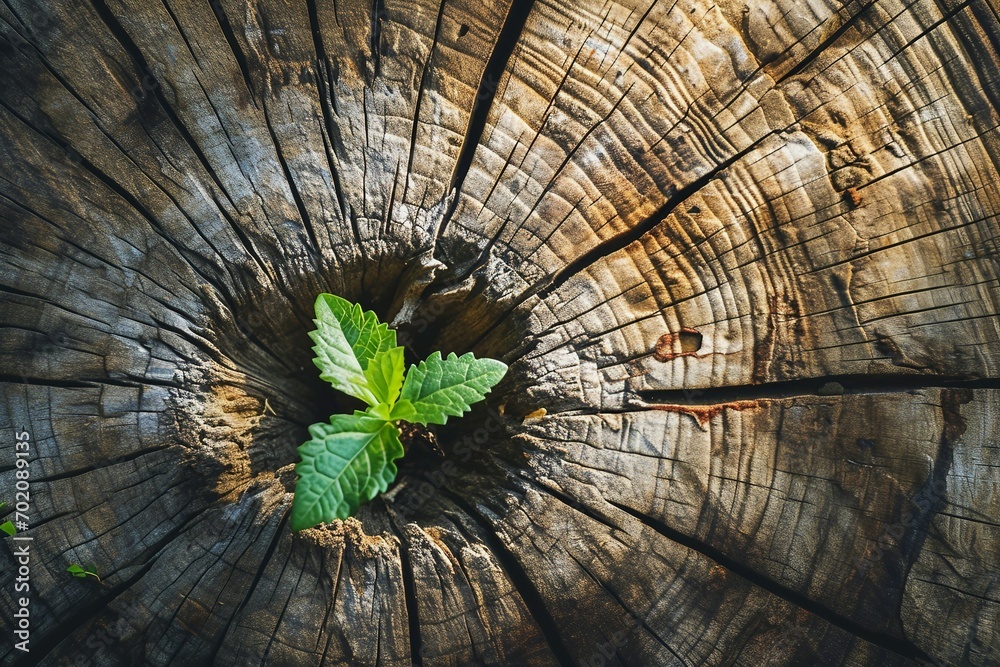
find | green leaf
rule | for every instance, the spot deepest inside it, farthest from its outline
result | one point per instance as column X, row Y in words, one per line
column 347, row 338
column 385, row 375
column 8, row 528
column 76, row 570
column 403, row 410
column 347, row 462
column 438, row 388
column 380, row 411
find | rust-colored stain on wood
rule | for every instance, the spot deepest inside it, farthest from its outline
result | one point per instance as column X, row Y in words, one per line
column 685, row 342
column 620, row 199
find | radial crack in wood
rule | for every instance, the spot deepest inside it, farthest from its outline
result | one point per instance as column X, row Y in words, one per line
column 741, row 259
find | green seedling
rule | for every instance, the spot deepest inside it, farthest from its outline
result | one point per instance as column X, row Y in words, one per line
column 350, row 460
column 83, row 572
column 7, row 526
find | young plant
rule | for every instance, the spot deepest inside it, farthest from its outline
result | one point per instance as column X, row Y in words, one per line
column 7, row 526
column 83, row 572
column 351, row 459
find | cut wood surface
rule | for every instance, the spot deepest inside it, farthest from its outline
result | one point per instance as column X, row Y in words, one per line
column 742, row 260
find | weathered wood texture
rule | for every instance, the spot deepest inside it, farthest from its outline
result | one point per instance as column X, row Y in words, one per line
column 742, row 259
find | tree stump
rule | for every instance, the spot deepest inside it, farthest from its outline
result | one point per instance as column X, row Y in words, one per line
column 742, row 260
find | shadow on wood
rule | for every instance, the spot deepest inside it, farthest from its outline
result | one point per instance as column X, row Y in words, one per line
column 740, row 258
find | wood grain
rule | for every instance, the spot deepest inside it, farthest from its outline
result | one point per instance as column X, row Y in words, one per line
column 740, row 257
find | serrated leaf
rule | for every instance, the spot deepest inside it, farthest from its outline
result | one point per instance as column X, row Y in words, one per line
column 385, row 375
column 347, row 338
column 347, row 462
column 438, row 388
